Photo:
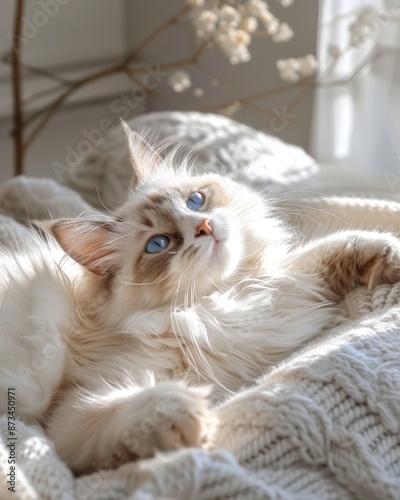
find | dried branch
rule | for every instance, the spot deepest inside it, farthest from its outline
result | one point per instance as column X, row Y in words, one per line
column 157, row 95
column 16, row 84
column 307, row 85
column 229, row 89
column 156, row 33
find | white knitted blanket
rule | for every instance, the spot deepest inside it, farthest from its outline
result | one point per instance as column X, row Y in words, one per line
column 324, row 424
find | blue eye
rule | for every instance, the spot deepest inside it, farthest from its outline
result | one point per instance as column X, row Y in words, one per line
column 157, row 244
column 195, row 201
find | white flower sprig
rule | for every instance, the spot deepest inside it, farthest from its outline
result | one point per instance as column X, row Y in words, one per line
column 230, row 26
column 366, row 27
column 295, row 69
column 179, row 81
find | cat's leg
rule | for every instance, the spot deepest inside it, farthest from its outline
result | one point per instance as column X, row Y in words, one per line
column 104, row 428
column 349, row 259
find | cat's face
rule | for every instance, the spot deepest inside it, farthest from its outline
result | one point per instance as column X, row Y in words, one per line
column 177, row 236
column 186, row 235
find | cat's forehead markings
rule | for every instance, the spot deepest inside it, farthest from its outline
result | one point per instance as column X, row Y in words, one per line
column 216, row 194
column 156, row 198
column 158, row 218
column 159, row 200
column 147, row 221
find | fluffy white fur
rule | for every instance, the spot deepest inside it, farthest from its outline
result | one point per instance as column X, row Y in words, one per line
column 140, row 341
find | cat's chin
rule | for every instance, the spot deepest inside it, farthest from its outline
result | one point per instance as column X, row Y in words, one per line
column 218, row 242
column 224, row 258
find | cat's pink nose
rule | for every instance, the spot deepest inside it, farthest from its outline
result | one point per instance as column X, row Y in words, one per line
column 205, row 228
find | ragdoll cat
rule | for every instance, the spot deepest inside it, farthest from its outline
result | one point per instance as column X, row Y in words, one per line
column 193, row 282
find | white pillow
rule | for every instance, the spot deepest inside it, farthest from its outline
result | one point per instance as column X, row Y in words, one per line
column 220, row 144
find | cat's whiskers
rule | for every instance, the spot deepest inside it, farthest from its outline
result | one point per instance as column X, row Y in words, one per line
column 90, row 212
column 189, row 300
column 247, row 215
column 248, row 170
column 122, row 236
column 114, row 214
column 208, row 274
column 304, row 190
column 240, row 182
column 198, row 349
column 233, row 198
column 315, row 209
column 280, row 198
column 145, row 283
column 183, row 347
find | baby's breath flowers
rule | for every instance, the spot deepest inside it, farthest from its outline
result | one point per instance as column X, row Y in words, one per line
column 283, row 34
column 198, row 92
column 179, row 81
column 366, row 27
column 231, row 25
column 234, row 44
column 249, row 24
column 295, row 69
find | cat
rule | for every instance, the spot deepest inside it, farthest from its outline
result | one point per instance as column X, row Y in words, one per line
column 194, row 284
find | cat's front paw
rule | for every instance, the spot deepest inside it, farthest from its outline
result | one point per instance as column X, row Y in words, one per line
column 381, row 262
column 170, row 416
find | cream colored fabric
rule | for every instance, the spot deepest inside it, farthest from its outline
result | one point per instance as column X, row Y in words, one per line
column 324, row 424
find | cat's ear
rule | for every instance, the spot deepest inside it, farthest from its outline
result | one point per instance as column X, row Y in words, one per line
column 145, row 161
column 87, row 242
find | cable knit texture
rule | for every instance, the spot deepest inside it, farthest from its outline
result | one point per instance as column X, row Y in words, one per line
column 323, row 424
